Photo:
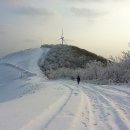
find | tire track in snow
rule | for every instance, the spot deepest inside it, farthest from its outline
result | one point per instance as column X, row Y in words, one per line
column 91, row 115
column 92, row 119
column 117, row 109
column 123, row 121
column 114, row 91
column 85, row 109
column 42, row 121
column 97, row 110
column 99, row 123
column 69, row 118
column 76, row 121
column 117, row 89
column 121, row 99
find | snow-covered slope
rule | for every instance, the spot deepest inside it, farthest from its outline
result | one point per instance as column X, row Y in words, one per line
column 16, row 72
column 28, row 101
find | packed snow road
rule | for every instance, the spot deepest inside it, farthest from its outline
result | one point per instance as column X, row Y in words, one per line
column 105, row 107
column 31, row 102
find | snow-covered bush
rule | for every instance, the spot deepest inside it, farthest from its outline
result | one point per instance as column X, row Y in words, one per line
column 64, row 73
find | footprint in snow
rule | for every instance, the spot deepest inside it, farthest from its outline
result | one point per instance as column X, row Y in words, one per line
column 85, row 125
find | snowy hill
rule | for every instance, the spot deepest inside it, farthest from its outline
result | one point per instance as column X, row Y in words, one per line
column 15, row 72
column 67, row 57
column 28, row 101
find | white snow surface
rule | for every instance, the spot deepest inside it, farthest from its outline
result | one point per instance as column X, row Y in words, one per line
column 28, row 101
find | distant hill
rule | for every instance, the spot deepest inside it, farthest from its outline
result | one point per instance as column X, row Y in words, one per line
column 65, row 56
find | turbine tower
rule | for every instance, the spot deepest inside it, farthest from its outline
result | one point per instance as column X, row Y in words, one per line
column 62, row 38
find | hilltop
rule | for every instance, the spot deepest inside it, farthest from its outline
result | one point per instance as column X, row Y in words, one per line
column 69, row 57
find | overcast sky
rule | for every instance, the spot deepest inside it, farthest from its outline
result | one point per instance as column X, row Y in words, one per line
column 100, row 26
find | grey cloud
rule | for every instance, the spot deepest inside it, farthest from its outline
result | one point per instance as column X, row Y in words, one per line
column 14, row 2
column 86, row 0
column 31, row 11
column 30, row 40
column 2, row 33
column 89, row 13
column 97, row 0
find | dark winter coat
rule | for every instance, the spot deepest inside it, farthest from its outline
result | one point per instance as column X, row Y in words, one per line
column 78, row 79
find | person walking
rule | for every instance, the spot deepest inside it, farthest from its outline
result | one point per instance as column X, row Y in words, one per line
column 78, row 79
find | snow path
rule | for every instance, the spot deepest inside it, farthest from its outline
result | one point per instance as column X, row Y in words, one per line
column 49, row 114
column 32, row 102
column 105, row 112
column 117, row 108
column 113, row 113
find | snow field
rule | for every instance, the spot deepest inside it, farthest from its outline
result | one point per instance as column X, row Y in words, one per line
column 21, row 111
column 31, row 102
column 44, row 119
